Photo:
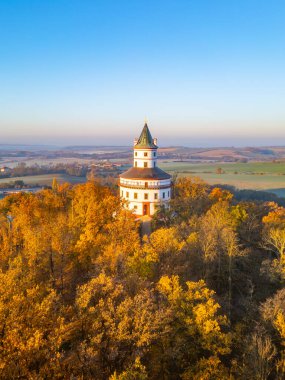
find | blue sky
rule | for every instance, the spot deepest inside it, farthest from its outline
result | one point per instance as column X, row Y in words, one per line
column 203, row 72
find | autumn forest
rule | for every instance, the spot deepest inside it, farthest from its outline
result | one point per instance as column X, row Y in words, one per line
column 85, row 296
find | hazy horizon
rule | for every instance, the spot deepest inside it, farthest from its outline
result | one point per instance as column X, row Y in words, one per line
column 95, row 142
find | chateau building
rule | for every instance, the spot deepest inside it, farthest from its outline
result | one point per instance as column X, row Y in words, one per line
column 144, row 185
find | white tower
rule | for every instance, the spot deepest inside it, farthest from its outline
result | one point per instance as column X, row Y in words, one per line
column 145, row 186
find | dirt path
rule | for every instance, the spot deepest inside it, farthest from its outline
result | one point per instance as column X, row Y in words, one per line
column 146, row 225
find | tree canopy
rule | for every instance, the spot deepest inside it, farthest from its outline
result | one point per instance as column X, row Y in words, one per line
column 84, row 296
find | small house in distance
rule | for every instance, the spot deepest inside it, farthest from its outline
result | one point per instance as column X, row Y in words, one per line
column 145, row 186
column 5, row 170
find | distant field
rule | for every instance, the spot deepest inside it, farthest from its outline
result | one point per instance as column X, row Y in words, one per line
column 251, row 167
column 40, row 161
column 267, row 176
column 45, row 179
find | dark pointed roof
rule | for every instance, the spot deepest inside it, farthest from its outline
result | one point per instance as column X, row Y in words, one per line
column 145, row 173
column 145, row 140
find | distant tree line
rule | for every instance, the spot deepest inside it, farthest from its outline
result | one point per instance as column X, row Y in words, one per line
column 72, row 169
column 253, row 195
column 18, row 184
column 22, row 169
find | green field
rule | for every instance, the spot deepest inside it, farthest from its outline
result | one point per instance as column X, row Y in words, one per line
column 45, row 179
column 269, row 176
column 251, row 167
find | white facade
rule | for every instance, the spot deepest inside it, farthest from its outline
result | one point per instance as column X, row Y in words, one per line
column 145, row 158
column 145, row 186
column 136, row 198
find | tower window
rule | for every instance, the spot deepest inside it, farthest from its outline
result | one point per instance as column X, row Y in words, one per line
column 135, row 195
column 146, row 196
column 145, row 164
column 145, row 154
column 136, row 153
column 155, row 196
column 163, row 195
column 136, row 163
column 127, row 194
column 146, row 184
column 154, row 154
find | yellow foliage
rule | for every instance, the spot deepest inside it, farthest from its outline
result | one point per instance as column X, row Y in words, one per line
column 191, row 187
column 275, row 217
column 198, row 310
column 163, row 241
column 217, row 194
column 82, row 296
column 208, row 369
column 170, row 287
column 279, row 324
column 136, row 371
column 239, row 214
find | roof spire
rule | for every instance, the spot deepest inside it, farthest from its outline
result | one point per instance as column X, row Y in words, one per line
column 145, row 140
